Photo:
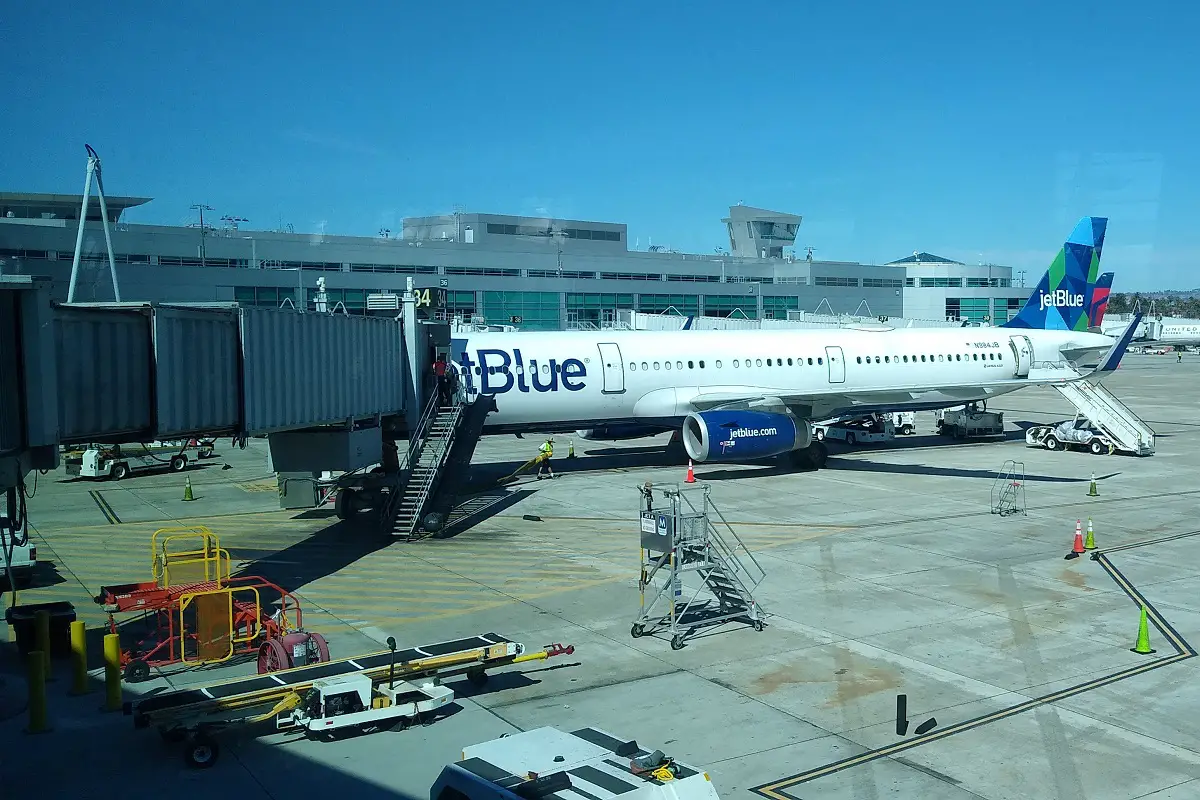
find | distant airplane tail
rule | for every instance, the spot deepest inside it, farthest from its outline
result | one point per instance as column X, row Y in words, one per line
column 1072, row 291
column 1098, row 302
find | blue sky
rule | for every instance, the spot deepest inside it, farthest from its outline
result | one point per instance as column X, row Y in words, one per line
column 972, row 132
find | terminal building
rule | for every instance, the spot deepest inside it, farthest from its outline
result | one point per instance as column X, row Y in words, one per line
column 531, row 273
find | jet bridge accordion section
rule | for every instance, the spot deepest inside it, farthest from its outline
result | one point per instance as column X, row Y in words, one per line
column 122, row 372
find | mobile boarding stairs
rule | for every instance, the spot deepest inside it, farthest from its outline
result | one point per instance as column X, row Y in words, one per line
column 680, row 543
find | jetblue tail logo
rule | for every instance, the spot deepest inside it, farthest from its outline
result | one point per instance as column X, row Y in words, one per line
column 1066, row 296
column 1059, row 298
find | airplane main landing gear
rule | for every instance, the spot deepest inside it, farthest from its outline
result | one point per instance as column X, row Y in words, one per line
column 811, row 457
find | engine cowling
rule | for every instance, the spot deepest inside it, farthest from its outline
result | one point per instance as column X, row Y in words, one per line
column 617, row 431
column 742, row 435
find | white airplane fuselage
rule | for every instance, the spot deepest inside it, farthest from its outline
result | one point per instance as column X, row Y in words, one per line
column 568, row 380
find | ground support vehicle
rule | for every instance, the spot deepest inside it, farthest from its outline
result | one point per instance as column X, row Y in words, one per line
column 1072, row 433
column 355, row 702
column 871, row 429
column 193, row 612
column 549, row 763
column 118, row 461
column 195, row 715
column 970, row 422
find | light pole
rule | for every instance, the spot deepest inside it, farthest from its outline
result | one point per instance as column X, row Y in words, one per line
column 202, row 207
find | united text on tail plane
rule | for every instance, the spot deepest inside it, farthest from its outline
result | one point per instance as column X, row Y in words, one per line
column 751, row 394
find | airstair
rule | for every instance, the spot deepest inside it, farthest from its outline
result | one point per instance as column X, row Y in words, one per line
column 1106, row 412
column 683, row 549
column 435, row 466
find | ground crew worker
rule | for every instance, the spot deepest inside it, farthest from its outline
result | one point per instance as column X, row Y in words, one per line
column 545, row 452
column 439, row 371
column 1179, row 353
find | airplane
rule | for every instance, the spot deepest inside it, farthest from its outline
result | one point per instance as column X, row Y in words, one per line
column 748, row 395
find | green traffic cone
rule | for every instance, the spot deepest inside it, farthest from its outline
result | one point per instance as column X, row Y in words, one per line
column 1089, row 543
column 1092, row 491
column 187, row 489
column 1143, row 640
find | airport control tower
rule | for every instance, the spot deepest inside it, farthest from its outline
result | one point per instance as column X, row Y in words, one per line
column 759, row 233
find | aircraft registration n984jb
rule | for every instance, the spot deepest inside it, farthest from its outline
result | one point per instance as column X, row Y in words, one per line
column 747, row 395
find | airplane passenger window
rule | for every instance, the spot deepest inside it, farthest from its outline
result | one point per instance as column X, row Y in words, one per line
column 876, row 359
column 860, row 359
column 632, row 367
column 645, row 365
column 768, row 362
column 691, row 365
column 758, row 362
column 545, row 369
column 735, row 362
column 656, row 365
column 789, row 362
column 922, row 358
column 701, row 365
column 666, row 365
column 820, row 361
column 958, row 357
column 810, row 362
column 887, row 359
column 940, row 357
column 718, row 364
column 678, row 365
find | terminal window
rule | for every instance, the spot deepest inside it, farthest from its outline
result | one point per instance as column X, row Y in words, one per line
column 974, row 309
column 685, row 304
column 730, row 306
column 777, row 307
column 537, row 310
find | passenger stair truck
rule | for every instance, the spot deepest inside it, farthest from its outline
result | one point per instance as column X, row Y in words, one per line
column 1102, row 409
column 586, row 764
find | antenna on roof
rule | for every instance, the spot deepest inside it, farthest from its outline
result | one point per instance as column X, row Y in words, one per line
column 93, row 168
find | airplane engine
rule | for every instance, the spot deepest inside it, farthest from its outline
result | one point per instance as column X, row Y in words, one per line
column 742, row 435
column 617, row 432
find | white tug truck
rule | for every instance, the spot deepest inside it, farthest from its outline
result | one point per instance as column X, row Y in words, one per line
column 1077, row 432
column 119, row 461
column 586, row 764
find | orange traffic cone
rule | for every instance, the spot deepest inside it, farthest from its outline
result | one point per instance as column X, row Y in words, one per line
column 691, row 478
column 1077, row 548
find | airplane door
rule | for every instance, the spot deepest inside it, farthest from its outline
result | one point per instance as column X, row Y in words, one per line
column 1023, row 355
column 614, row 370
column 837, row 364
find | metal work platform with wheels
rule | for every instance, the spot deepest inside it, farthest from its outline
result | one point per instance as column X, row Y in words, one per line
column 685, row 551
column 1008, row 489
column 194, row 714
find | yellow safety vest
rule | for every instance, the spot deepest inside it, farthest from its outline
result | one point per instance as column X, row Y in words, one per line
column 548, row 449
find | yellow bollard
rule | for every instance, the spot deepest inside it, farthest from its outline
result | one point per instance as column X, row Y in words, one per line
column 41, row 638
column 112, row 672
column 79, row 676
column 37, row 692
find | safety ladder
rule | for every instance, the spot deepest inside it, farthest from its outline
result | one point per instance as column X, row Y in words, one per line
column 685, row 541
column 429, row 447
column 1008, row 489
column 1105, row 411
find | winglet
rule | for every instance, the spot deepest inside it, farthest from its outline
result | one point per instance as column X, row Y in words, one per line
column 1113, row 357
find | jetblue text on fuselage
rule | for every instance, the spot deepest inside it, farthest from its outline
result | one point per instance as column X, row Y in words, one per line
column 501, row 372
column 1060, row 298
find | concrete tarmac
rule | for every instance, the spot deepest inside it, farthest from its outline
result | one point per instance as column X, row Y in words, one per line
column 887, row 574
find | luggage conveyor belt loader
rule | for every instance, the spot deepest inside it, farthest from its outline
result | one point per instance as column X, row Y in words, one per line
column 299, row 698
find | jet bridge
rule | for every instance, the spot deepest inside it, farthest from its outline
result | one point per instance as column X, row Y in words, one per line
column 113, row 373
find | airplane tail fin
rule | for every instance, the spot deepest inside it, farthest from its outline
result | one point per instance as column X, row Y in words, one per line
column 1067, row 295
column 1098, row 301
